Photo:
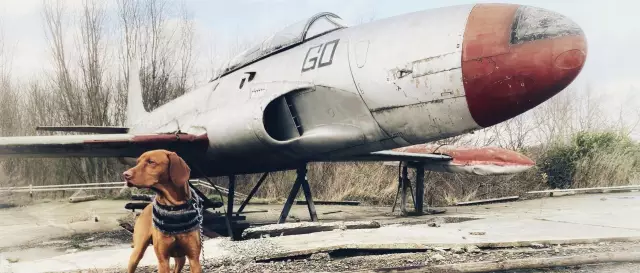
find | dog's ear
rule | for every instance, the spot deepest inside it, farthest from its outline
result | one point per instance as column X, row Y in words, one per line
column 179, row 171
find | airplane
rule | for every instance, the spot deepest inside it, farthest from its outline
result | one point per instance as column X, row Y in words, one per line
column 322, row 91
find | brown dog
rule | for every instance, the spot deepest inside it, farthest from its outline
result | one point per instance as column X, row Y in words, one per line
column 167, row 174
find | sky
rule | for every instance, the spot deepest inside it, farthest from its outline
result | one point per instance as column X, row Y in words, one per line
column 611, row 27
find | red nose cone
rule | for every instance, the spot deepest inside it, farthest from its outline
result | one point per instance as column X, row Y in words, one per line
column 516, row 57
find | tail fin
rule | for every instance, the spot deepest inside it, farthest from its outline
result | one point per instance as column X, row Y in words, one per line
column 135, row 106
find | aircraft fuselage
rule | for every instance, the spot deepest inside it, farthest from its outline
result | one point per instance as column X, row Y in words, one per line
column 404, row 80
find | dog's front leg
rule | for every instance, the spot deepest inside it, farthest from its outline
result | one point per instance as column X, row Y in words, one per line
column 163, row 261
column 136, row 256
column 179, row 264
column 162, row 248
column 191, row 243
column 194, row 265
column 141, row 239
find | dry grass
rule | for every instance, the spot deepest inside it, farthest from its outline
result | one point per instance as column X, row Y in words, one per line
column 376, row 184
column 615, row 166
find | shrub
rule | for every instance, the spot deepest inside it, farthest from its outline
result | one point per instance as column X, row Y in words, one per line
column 591, row 159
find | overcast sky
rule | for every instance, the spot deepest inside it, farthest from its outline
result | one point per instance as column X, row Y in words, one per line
column 612, row 29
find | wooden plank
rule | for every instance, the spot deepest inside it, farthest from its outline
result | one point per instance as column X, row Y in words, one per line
column 487, row 201
column 324, row 202
column 304, row 228
column 629, row 187
column 520, row 264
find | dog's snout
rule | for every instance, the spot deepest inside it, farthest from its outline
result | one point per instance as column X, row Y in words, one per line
column 127, row 175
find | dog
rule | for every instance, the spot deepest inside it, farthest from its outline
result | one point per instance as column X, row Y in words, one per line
column 168, row 222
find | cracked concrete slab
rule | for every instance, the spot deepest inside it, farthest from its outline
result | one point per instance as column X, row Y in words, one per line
column 563, row 220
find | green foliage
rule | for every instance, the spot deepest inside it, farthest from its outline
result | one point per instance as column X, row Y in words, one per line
column 558, row 165
column 586, row 150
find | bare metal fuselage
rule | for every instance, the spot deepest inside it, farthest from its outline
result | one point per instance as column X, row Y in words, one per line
column 377, row 86
column 357, row 101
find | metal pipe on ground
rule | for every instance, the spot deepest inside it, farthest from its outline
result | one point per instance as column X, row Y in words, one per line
column 77, row 199
column 62, row 186
column 62, row 189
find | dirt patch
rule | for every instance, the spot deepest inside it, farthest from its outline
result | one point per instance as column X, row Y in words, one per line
column 39, row 249
column 79, row 241
column 86, row 241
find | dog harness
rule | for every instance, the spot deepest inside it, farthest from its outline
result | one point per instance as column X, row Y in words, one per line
column 178, row 219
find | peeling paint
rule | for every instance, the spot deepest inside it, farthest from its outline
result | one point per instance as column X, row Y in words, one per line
column 468, row 156
column 532, row 23
column 437, row 64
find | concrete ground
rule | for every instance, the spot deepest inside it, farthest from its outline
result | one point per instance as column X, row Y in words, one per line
column 45, row 220
column 558, row 220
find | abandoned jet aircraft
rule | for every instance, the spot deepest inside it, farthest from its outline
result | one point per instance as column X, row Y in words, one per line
column 321, row 91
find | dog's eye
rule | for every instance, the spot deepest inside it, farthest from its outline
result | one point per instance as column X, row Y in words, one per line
column 151, row 161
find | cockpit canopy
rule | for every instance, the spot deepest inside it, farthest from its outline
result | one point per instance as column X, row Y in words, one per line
column 294, row 34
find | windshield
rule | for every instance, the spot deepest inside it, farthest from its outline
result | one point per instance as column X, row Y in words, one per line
column 293, row 34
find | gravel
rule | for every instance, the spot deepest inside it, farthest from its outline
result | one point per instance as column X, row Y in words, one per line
column 324, row 262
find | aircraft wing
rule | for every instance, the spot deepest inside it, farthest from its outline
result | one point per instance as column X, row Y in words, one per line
column 85, row 129
column 455, row 159
column 98, row 145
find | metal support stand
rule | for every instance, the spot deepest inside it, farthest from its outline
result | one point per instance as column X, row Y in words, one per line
column 306, row 189
column 301, row 181
column 230, row 196
column 403, row 184
column 419, row 202
column 418, row 198
column 253, row 192
column 403, row 197
column 207, row 203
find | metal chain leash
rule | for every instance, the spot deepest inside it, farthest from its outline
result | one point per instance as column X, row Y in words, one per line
column 198, row 206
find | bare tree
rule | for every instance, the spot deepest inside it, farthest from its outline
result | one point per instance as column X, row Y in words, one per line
column 96, row 91
column 69, row 98
column 514, row 134
column 165, row 50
